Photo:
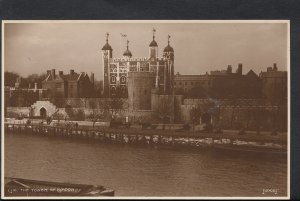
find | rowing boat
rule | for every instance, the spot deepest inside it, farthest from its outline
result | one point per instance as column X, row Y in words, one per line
column 26, row 187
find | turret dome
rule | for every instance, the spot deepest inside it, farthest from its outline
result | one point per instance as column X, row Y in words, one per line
column 106, row 47
column 168, row 49
column 153, row 43
column 127, row 53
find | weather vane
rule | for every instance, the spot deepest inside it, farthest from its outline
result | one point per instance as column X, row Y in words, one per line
column 153, row 30
column 127, row 44
column 169, row 39
column 107, row 34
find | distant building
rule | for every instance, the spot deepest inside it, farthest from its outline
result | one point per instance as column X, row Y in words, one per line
column 72, row 85
column 219, row 84
column 274, row 85
column 192, row 85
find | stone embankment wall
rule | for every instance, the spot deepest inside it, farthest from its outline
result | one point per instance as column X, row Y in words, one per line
column 90, row 103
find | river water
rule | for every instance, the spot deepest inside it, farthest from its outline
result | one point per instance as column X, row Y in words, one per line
column 145, row 171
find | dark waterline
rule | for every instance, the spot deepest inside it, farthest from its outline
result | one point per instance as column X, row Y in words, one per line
column 145, row 171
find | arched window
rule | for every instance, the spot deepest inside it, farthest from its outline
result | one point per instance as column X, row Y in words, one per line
column 123, row 79
column 113, row 79
column 113, row 90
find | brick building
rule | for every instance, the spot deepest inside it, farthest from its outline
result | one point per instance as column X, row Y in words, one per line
column 219, row 84
column 72, row 85
column 274, row 85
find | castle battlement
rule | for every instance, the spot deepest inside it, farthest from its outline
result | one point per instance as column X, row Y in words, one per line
column 134, row 59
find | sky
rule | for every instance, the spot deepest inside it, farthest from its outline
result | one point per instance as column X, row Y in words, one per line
column 34, row 48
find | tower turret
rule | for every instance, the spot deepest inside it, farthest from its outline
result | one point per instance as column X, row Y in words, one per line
column 127, row 53
column 106, row 55
column 168, row 51
column 153, row 48
column 168, row 55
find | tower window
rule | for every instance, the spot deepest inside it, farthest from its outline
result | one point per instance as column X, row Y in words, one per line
column 123, row 79
column 113, row 79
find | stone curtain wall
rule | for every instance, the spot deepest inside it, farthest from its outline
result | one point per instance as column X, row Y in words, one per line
column 89, row 103
column 14, row 112
column 250, row 114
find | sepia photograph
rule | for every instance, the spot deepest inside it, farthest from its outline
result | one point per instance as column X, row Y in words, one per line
column 163, row 109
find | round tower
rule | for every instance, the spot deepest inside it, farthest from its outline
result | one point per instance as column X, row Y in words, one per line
column 140, row 85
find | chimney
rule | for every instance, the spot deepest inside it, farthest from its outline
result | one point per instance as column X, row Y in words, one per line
column 269, row 69
column 92, row 78
column 72, row 72
column 61, row 73
column 229, row 69
column 53, row 73
column 240, row 69
column 275, row 67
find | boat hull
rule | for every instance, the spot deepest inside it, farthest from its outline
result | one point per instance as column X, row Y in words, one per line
column 23, row 187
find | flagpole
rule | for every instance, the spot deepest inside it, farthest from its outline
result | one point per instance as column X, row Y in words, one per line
column 122, row 36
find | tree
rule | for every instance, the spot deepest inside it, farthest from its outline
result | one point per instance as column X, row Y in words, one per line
column 98, row 87
column 111, row 108
column 195, row 114
column 10, row 78
column 94, row 117
column 35, row 78
column 57, row 116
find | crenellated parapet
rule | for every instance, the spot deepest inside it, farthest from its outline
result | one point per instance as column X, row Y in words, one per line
column 134, row 59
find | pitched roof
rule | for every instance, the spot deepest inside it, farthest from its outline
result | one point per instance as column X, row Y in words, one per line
column 70, row 77
column 251, row 73
column 67, row 77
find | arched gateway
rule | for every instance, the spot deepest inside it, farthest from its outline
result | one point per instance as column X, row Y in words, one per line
column 43, row 108
column 43, row 112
